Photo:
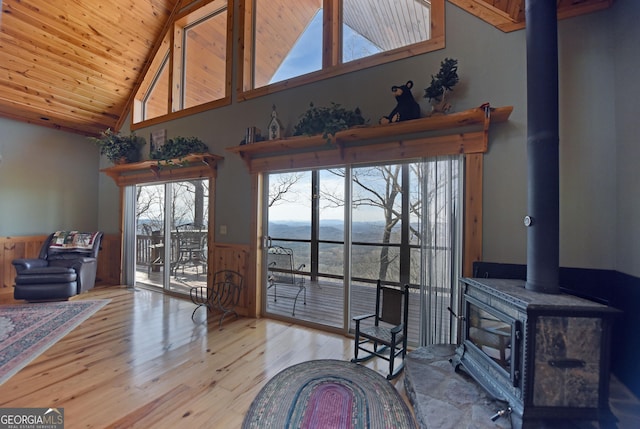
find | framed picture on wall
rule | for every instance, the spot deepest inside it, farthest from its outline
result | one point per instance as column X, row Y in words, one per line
column 157, row 139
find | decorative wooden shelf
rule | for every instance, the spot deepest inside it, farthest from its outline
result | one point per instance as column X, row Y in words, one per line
column 391, row 141
column 190, row 166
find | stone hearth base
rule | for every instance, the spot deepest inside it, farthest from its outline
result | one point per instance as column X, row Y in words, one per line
column 443, row 398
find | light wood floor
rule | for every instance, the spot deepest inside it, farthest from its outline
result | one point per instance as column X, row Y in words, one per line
column 142, row 362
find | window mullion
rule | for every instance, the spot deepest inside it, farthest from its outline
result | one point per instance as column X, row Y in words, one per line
column 405, row 250
column 332, row 33
column 175, row 64
column 315, row 224
column 247, row 42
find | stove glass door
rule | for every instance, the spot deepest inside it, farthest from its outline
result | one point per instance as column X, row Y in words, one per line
column 491, row 335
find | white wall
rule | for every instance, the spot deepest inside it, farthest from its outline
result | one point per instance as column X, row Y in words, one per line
column 48, row 180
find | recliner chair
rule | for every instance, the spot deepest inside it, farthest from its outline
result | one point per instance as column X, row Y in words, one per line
column 66, row 266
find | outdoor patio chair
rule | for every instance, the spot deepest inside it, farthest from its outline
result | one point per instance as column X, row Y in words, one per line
column 386, row 338
column 280, row 265
column 192, row 247
column 151, row 252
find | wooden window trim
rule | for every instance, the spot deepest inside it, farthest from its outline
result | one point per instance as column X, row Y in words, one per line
column 178, row 22
column 332, row 65
column 150, row 78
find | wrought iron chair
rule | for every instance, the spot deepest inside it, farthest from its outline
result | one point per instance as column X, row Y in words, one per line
column 387, row 337
column 192, row 247
column 223, row 295
column 281, row 273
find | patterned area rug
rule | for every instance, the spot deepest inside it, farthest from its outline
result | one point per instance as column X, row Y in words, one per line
column 27, row 330
column 328, row 394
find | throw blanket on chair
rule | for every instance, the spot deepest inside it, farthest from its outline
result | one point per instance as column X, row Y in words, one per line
column 71, row 240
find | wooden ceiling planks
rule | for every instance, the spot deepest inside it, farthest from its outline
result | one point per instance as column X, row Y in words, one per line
column 72, row 64
column 51, row 54
column 509, row 15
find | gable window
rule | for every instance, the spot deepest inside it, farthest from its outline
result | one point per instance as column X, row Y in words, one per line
column 191, row 71
column 156, row 101
column 314, row 39
column 152, row 98
column 204, row 58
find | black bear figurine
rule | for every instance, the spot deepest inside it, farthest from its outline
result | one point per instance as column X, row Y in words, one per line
column 407, row 107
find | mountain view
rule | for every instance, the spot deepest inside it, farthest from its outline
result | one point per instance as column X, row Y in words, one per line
column 366, row 257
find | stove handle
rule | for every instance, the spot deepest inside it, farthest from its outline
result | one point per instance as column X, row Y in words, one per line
column 455, row 315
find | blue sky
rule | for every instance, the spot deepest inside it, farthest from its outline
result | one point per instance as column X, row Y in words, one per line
column 306, row 54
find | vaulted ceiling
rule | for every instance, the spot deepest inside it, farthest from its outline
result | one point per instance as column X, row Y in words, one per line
column 75, row 64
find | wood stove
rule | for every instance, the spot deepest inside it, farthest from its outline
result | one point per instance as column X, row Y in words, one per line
column 545, row 355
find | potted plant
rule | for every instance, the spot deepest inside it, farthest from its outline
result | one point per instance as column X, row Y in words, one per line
column 442, row 83
column 327, row 121
column 178, row 147
column 117, row 148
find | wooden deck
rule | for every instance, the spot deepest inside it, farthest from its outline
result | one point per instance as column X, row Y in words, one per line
column 180, row 282
column 324, row 300
column 325, row 305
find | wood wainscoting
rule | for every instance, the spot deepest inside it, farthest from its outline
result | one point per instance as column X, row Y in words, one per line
column 109, row 260
column 14, row 248
column 235, row 257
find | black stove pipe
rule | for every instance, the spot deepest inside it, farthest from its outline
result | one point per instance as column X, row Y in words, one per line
column 543, row 241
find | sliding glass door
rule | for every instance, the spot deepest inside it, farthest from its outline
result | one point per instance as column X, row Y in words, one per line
column 171, row 235
column 352, row 226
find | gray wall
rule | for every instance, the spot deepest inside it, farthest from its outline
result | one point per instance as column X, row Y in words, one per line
column 109, row 201
column 48, row 180
column 597, row 139
column 491, row 65
column 626, row 90
column 587, row 143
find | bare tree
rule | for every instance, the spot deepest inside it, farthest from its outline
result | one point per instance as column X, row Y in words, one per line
column 189, row 199
column 280, row 190
column 187, row 205
column 380, row 187
column 149, row 206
